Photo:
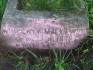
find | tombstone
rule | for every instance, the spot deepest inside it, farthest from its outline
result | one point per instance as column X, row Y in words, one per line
column 43, row 29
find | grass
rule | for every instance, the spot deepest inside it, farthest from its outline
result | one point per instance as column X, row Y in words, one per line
column 76, row 59
column 2, row 7
column 74, row 6
column 44, row 4
column 90, row 12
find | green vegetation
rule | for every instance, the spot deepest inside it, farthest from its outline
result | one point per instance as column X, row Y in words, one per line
column 90, row 12
column 80, row 58
column 2, row 6
column 50, row 5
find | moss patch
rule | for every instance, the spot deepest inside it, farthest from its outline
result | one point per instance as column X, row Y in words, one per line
column 44, row 5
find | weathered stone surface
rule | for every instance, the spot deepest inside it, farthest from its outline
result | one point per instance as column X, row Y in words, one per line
column 42, row 29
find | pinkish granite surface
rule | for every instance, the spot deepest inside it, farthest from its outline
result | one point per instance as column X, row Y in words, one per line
column 42, row 29
column 41, row 33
